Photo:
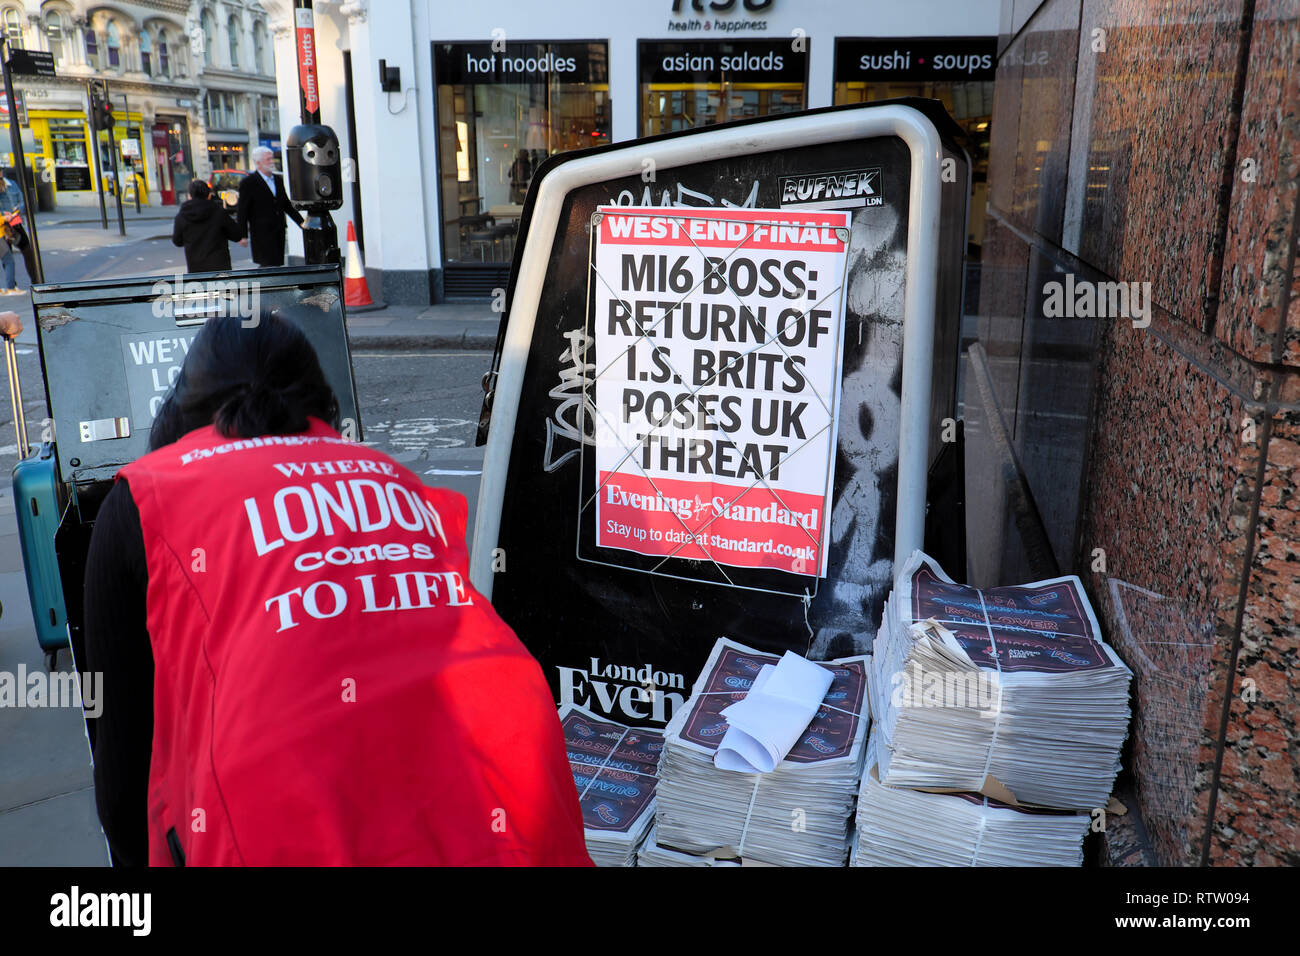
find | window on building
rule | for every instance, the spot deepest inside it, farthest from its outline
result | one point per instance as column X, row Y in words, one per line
column 232, row 30
column 867, row 69
column 146, row 52
column 268, row 114
column 92, row 48
column 164, row 63
column 56, row 34
column 209, row 28
column 113, row 40
column 259, row 48
column 71, row 163
column 496, row 129
column 224, row 110
column 691, row 83
column 14, row 27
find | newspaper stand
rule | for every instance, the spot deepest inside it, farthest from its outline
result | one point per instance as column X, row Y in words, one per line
column 623, row 633
column 109, row 351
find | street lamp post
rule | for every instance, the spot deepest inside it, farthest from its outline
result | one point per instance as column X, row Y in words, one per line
column 20, row 164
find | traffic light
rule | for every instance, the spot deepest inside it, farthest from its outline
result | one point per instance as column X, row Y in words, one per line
column 101, row 110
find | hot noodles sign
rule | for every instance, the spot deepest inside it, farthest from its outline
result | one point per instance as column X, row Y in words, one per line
column 718, row 340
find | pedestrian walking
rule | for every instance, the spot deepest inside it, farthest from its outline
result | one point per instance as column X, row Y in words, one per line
column 205, row 230
column 296, row 669
column 263, row 204
column 13, row 212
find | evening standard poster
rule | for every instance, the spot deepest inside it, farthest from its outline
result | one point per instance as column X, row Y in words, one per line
column 718, row 336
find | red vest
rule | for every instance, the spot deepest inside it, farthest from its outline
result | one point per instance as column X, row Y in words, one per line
column 329, row 688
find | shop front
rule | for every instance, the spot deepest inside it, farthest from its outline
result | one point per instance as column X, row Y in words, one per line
column 128, row 136
column 685, row 84
column 502, row 109
column 64, row 145
column 227, row 150
column 957, row 71
column 172, row 159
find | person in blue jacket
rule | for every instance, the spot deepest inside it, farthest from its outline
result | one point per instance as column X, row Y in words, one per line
column 15, row 236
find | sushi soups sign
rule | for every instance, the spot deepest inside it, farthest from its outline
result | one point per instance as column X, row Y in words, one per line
column 718, row 341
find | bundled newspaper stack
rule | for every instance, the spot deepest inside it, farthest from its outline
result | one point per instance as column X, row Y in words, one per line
column 653, row 854
column 1009, row 687
column 614, row 770
column 901, row 827
column 798, row 812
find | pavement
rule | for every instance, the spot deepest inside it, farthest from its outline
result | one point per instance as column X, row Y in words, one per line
column 450, row 325
column 47, row 795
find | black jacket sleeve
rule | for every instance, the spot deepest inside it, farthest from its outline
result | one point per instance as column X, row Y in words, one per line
column 285, row 204
column 118, row 648
column 178, row 232
column 230, row 227
column 243, row 205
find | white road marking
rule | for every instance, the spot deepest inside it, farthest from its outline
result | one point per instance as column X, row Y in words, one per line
column 417, row 434
column 454, row 471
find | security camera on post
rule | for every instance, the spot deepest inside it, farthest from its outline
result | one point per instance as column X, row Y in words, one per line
column 315, row 172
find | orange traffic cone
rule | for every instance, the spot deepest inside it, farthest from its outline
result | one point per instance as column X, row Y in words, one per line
column 356, row 293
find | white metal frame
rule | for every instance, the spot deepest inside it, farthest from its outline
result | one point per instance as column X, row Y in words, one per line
column 921, row 276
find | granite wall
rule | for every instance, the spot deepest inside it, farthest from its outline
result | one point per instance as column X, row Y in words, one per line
column 1157, row 144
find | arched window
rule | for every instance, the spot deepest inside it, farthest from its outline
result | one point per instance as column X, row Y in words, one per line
column 113, row 40
column 56, row 34
column 146, row 53
column 164, row 62
column 232, row 28
column 259, row 48
column 209, row 28
column 14, row 27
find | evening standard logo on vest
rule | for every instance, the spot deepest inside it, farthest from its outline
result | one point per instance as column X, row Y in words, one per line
column 846, row 189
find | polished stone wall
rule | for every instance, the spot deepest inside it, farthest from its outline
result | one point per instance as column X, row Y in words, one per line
column 1157, row 143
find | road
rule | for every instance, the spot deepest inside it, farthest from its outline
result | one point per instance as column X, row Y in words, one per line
column 420, row 407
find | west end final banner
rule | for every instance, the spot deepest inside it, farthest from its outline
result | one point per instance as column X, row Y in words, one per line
column 718, row 342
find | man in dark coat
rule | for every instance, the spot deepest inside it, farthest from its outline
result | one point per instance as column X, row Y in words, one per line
column 263, row 204
column 205, row 231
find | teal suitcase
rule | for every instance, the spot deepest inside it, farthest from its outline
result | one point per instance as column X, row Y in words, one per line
column 39, row 502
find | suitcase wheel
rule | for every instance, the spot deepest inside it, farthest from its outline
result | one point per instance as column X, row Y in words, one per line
column 52, row 660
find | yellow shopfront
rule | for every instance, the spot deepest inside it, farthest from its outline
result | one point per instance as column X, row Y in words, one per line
column 64, row 141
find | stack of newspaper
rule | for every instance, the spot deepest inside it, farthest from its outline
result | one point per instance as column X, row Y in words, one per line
column 614, row 770
column 652, row 853
column 796, row 815
column 901, row 827
column 1008, row 687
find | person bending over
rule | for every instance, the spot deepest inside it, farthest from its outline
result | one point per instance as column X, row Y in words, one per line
column 296, row 668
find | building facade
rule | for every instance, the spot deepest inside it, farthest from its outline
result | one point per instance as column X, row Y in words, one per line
column 191, row 84
column 443, row 159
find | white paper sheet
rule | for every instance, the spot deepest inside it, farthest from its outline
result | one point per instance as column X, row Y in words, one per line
column 763, row 727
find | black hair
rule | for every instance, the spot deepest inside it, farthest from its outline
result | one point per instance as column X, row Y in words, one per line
column 249, row 381
column 198, row 189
